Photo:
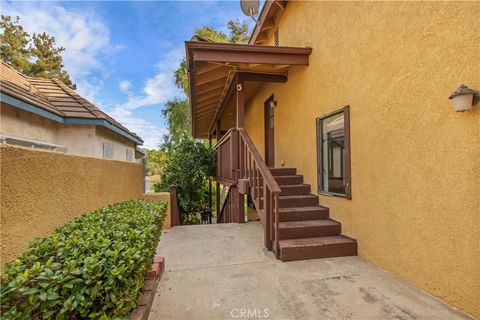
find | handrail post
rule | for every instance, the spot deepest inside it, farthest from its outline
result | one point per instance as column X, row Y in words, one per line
column 266, row 210
column 277, row 231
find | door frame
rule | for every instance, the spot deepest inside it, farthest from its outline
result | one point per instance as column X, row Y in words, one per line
column 269, row 146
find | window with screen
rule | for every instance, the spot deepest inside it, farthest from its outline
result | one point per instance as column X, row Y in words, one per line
column 333, row 153
column 107, row 150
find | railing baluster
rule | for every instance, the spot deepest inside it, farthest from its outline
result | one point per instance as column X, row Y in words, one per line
column 277, row 233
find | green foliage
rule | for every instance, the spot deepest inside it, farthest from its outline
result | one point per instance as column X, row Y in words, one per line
column 154, row 161
column 181, row 77
column 188, row 165
column 92, row 267
column 177, row 114
column 14, row 43
column 238, row 31
column 36, row 56
column 210, row 34
column 48, row 62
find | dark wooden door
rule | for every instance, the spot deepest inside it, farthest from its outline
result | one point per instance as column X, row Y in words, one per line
column 269, row 132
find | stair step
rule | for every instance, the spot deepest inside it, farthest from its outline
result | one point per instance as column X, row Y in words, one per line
column 298, row 200
column 295, row 189
column 317, row 247
column 283, row 171
column 303, row 213
column 289, row 180
column 309, row 228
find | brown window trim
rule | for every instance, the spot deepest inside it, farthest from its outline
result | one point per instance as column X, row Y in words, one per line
column 348, row 177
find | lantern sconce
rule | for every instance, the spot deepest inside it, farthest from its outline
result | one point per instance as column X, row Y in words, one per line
column 464, row 98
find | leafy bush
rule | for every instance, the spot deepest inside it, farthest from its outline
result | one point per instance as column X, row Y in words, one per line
column 92, row 267
column 188, row 165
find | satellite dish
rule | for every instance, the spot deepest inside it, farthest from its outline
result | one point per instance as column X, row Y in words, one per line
column 250, row 8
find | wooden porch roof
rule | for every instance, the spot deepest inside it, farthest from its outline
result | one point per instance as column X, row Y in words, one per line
column 212, row 67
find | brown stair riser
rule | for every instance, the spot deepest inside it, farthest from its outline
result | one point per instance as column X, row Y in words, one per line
column 288, row 180
column 303, row 215
column 291, row 190
column 316, row 252
column 283, row 171
column 281, row 180
column 298, row 202
column 310, row 231
column 295, row 190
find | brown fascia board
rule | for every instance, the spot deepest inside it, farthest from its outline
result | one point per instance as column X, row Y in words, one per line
column 245, row 53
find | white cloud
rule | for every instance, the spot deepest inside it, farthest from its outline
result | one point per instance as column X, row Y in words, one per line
column 125, row 86
column 161, row 87
column 150, row 133
column 156, row 91
column 84, row 36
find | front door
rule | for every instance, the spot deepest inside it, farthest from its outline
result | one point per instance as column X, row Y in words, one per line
column 269, row 106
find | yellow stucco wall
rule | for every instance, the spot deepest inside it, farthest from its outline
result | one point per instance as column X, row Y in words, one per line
column 415, row 162
column 40, row 190
column 161, row 196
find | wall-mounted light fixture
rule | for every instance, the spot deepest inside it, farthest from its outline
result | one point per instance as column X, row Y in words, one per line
column 464, row 98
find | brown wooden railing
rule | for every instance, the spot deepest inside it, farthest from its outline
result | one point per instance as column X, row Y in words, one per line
column 239, row 161
column 228, row 207
column 227, row 156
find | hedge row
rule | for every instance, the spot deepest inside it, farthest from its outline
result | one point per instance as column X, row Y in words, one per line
column 92, row 267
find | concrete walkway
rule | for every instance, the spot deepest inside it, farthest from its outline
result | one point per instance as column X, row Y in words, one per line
column 223, row 272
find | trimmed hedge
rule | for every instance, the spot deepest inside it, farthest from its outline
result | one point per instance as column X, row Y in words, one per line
column 92, row 267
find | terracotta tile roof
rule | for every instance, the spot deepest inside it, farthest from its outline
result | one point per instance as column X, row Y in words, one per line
column 52, row 95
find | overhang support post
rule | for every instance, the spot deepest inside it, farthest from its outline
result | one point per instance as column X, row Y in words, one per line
column 240, row 105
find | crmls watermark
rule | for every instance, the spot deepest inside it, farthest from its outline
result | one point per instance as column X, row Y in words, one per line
column 250, row 313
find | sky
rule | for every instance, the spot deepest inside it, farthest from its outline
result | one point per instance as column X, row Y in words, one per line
column 122, row 54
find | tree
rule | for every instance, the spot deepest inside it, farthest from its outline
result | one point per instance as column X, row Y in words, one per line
column 36, row 56
column 238, row 31
column 49, row 60
column 14, row 44
column 210, row 34
column 154, row 161
column 177, row 114
column 188, row 165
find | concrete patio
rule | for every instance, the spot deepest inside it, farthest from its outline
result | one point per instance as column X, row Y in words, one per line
column 223, row 272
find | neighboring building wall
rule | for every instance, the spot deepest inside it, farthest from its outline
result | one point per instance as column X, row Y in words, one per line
column 120, row 144
column 28, row 125
column 40, row 190
column 78, row 139
column 415, row 162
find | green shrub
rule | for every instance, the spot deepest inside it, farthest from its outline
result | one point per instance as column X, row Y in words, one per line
column 188, row 164
column 92, row 267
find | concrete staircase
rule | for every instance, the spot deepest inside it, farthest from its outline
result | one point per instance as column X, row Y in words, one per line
column 305, row 229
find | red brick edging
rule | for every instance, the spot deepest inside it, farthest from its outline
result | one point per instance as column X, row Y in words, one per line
column 148, row 291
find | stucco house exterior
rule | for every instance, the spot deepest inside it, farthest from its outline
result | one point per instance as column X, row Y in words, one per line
column 334, row 124
column 44, row 113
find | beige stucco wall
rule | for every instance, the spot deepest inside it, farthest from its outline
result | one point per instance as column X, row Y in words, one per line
column 40, row 190
column 82, row 140
column 415, row 209
column 14, row 121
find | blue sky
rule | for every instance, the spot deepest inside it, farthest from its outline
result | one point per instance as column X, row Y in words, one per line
column 122, row 54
